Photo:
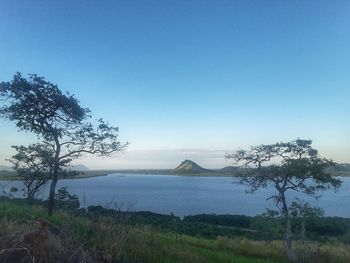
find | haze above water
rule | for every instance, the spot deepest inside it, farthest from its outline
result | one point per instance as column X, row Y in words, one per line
column 185, row 195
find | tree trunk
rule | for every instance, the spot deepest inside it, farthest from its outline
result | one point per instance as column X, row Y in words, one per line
column 54, row 180
column 288, row 242
column 288, row 235
column 29, row 195
column 51, row 203
column 28, row 185
column 303, row 238
column 302, row 234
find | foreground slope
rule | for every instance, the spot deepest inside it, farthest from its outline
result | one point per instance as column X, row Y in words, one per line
column 110, row 239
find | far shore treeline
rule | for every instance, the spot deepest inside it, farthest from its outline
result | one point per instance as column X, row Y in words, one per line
column 7, row 173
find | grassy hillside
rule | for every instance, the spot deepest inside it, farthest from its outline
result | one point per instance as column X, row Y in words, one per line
column 189, row 166
column 110, row 239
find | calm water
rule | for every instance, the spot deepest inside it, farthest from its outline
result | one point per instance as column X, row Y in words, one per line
column 184, row 195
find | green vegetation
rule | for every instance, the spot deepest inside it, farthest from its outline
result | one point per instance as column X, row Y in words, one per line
column 65, row 130
column 293, row 166
column 149, row 237
column 142, row 244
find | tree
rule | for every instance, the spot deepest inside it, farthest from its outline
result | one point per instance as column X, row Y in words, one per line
column 34, row 164
column 302, row 212
column 292, row 166
column 57, row 118
column 66, row 199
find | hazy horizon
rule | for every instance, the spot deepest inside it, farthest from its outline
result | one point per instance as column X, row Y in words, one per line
column 189, row 79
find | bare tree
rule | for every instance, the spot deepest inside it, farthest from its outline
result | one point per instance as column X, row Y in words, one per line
column 66, row 128
column 292, row 166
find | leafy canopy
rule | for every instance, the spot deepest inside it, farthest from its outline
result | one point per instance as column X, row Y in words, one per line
column 288, row 166
column 39, row 106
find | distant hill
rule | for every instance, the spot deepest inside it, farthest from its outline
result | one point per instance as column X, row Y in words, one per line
column 79, row 168
column 189, row 166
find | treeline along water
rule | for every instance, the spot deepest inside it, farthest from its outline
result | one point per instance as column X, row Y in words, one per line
column 186, row 195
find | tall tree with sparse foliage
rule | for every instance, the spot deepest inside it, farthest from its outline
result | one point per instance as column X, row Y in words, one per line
column 291, row 166
column 57, row 118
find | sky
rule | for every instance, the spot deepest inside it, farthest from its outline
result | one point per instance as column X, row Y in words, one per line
column 189, row 79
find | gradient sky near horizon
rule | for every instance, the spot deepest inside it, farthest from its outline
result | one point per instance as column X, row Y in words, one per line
column 189, row 79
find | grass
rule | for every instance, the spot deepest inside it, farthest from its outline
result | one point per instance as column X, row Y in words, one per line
column 120, row 242
column 167, row 247
column 143, row 244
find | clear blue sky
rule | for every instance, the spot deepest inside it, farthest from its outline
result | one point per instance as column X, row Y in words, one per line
column 190, row 79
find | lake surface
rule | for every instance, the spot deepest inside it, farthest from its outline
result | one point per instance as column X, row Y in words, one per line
column 185, row 195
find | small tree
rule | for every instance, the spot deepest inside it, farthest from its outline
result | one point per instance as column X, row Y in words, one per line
column 269, row 224
column 34, row 164
column 302, row 213
column 67, row 200
column 37, row 105
column 292, row 166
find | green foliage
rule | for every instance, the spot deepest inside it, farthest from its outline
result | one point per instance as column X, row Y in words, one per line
column 65, row 200
column 329, row 226
column 269, row 226
column 38, row 106
column 221, row 220
column 34, row 166
column 99, row 228
column 300, row 168
column 142, row 244
column 64, row 127
column 261, row 227
column 286, row 166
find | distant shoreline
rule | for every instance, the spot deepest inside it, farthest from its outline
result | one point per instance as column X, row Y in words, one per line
column 11, row 175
